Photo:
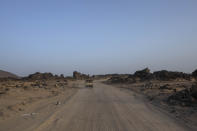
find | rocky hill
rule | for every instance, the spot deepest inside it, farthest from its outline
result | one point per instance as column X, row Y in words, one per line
column 5, row 74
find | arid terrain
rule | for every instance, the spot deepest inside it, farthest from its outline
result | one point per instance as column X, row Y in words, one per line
column 98, row 65
column 43, row 102
column 5, row 74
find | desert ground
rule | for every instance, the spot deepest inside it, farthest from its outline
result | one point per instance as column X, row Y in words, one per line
column 69, row 105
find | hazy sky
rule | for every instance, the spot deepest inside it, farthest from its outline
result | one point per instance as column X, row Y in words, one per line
column 97, row 37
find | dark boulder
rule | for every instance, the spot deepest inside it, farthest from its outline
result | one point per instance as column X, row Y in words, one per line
column 62, row 76
column 143, row 74
column 194, row 91
column 186, row 97
column 194, row 74
column 169, row 75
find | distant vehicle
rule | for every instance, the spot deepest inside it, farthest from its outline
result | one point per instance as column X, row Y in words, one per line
column 89, row 83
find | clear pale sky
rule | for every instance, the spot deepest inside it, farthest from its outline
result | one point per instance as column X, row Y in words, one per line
column 97, row 37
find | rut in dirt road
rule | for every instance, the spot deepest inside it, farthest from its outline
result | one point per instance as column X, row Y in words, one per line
column 103, row 108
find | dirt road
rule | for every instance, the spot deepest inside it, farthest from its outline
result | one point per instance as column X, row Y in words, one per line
column 103, row 108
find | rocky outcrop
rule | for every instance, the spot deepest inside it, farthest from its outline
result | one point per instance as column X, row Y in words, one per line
column 143, row 74
column 187, row 97
column 169, row 75
column 117, row 79
column 194, row 74
column 79, row 76
column 40, row 76
column 146, row 75
column 43, row 76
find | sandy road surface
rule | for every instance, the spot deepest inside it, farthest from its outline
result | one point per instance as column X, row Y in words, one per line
column 103, row 108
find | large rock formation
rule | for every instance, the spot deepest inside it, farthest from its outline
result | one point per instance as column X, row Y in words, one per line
column 79, row 76
column 143, row 74
column 146, row 75
column 40, row 76
column 169, row 75
column 43, row 76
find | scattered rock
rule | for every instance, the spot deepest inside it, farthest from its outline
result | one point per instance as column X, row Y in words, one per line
column 1, row 114
column 25, row 87
column 58, row 103
column 18, row 86
column 20, row 109
column 166, row 86
column 173, row 111
column 148, row 85
column 55, row 93
column 56, row 85
column 2, row 92
column 186, row 97
column 29, row 114
column 151, row 98
column 117, row 80
column 23, row 103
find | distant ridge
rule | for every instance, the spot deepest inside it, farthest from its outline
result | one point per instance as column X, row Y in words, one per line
column 5, row 74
